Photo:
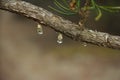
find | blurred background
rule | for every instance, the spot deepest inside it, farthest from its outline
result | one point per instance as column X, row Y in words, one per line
column 25, row 55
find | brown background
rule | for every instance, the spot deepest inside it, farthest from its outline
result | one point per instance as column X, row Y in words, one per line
column 25, row 55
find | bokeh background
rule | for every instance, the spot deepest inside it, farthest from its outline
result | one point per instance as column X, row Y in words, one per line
column 25, row 55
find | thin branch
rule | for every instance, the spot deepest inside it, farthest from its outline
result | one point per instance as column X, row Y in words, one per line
column 59, row 24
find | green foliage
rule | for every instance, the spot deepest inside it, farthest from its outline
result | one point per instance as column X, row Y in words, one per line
column 99, row 9
column 63, row 7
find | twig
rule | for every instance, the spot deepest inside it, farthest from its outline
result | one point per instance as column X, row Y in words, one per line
column 59, row 24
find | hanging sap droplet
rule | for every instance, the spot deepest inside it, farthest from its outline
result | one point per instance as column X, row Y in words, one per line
column 84, row 44
column 60, row 38
column 39, row 29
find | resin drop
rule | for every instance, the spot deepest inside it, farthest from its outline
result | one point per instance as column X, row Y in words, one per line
column 60, row 38
column 84, row 44
column 39, row 29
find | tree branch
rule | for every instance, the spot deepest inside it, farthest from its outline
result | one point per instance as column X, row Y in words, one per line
column 59, row 24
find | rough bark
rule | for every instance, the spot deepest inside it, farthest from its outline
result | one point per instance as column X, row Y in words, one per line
column 59, row 24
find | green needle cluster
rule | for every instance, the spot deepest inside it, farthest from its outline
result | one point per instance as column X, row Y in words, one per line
column 63, row 7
